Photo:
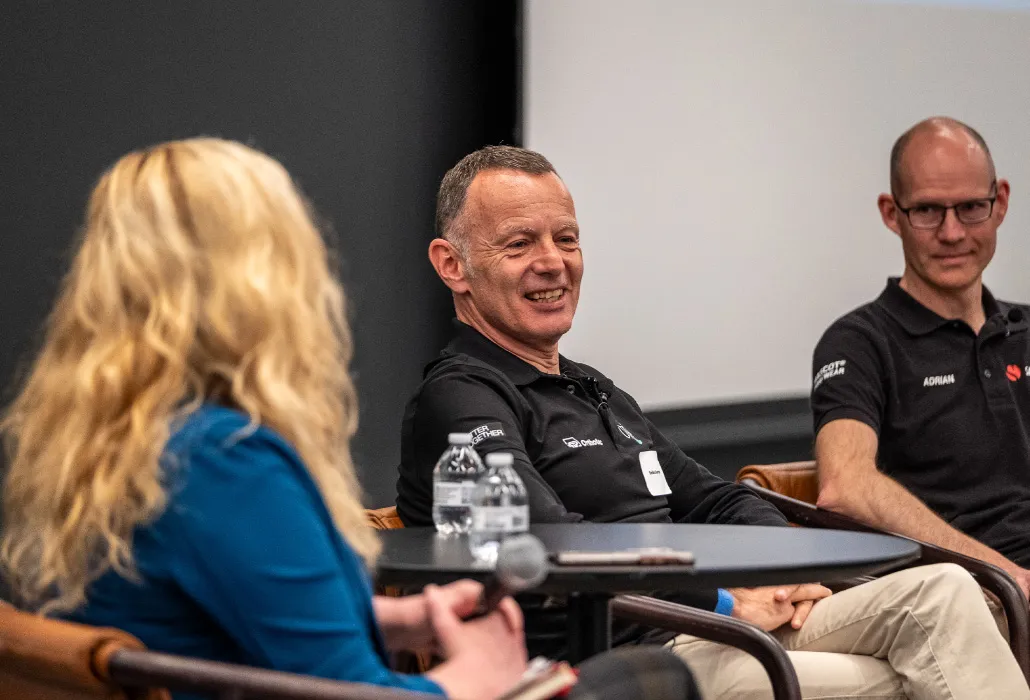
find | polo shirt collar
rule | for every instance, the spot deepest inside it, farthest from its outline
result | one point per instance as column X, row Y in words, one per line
column 919, row 320
column 467, row 340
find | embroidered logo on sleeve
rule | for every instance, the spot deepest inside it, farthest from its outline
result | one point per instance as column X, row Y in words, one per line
column 483, row 432
column 828, row 371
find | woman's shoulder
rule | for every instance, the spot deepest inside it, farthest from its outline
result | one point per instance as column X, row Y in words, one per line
column 227, row 442
column 209, row 423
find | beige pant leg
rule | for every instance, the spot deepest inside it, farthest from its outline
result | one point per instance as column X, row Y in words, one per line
column 930, row 623
column 920, row 633
column 1000, row 618
column 725, row 673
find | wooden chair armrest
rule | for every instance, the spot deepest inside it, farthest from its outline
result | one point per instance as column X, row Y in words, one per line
column 798, row 480
column 148, row 669
column 990, row 577
column 717, row 628
column 802, row 513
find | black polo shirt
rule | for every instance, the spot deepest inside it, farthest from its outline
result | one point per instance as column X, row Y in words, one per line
column 951, row 407
column 581, row 446
column 577, row 440
column 579, row 443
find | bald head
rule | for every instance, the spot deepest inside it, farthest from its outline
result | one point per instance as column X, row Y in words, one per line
column 930, row 136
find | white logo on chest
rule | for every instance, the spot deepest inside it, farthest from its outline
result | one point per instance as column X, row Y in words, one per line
column 939, row 380
column 573, row 442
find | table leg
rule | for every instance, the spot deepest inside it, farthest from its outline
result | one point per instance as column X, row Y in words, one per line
column 590, row 625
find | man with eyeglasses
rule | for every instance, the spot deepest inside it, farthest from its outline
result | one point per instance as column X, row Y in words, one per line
column 921, row 398
column 509, row 251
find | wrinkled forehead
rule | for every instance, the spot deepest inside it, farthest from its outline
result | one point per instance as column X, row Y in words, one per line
column 498, row 199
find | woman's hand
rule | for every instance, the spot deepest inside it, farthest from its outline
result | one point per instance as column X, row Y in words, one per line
column 484, row 657
column 405, row 622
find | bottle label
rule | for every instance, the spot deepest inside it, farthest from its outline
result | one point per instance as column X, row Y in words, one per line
column 450, row 493
column 467, row 487
column 501, row 518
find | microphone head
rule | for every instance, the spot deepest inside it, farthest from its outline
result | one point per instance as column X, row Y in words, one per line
column 521, row 562
column 1015, row 315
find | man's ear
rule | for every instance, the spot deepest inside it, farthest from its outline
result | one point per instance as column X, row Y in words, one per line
column 1001, row 203
column 448, row 265
column 889, row 212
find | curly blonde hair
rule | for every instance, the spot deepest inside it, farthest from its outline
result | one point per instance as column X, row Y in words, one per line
column 200, row 276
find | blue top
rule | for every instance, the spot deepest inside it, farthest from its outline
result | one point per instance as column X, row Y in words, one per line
column 245, row 564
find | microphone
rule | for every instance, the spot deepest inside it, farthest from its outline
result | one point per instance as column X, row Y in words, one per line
column 1015, row 315
column 521, row 565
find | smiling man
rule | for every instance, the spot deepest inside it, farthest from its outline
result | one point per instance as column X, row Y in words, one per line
column 923, row 417
column 509, row 250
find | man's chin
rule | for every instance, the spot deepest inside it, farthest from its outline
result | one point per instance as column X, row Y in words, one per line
column 955, row 280
column 547, row 334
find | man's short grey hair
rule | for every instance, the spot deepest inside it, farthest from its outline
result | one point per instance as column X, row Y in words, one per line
column 450, row 200
column 931, row 124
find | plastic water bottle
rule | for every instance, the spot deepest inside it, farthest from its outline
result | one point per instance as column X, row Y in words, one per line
column 500, row 507
column 454, row 478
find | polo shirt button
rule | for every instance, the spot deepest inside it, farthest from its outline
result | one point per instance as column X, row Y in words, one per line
column 987, row 373
column 571, row 389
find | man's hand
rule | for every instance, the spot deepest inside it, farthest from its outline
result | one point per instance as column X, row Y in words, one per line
column 1022, row 577
column 804, row 599
column 773, row 606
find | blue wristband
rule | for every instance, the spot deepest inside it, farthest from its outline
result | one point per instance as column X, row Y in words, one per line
column 725, row 604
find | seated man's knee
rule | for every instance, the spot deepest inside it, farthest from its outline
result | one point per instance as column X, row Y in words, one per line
column 950, row 581
column 952, row 575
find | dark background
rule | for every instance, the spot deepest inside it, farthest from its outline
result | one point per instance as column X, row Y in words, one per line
column 366, row 102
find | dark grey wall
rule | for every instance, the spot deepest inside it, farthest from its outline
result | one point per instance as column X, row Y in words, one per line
column 726, row 437
column 366, row 102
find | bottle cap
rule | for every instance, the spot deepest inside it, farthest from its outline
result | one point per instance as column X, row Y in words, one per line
column 500, row 459
column 459, row 438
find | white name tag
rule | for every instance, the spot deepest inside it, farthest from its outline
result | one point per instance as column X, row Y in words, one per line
column 654, row 477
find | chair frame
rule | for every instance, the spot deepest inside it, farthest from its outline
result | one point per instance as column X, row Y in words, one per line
column 990, row 577
column 717, row 628
column 136, row 669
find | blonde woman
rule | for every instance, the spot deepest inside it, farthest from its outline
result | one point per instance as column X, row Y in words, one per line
column 179, row 462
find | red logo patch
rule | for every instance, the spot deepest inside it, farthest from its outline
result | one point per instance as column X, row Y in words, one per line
column 1013, row 372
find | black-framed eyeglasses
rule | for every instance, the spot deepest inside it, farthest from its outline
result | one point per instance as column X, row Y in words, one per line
column 930, row 215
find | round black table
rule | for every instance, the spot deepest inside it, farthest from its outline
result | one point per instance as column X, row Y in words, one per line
column 725, row 556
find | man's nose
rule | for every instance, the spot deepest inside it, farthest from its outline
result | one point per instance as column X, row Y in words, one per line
column 548, row 260
column 951, row 229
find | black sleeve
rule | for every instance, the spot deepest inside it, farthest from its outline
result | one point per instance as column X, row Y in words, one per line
column 466, row 401
column 847, row 377
column 698, row 496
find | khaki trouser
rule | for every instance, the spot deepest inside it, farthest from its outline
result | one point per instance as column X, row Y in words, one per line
column 922, row 633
